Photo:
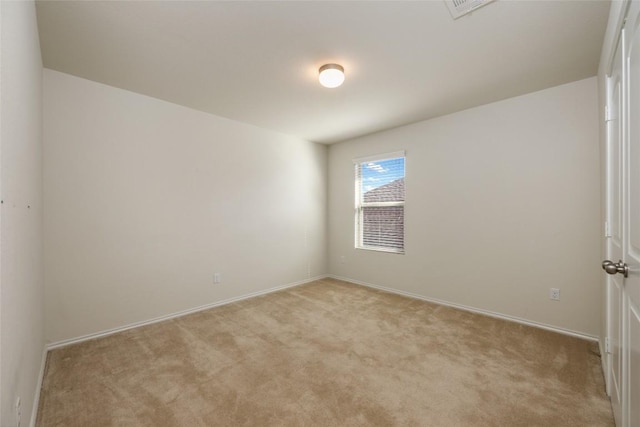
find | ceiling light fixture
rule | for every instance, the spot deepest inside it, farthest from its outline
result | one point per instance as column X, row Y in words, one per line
column 331, row 75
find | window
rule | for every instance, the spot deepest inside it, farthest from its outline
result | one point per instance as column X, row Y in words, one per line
column 380, row 203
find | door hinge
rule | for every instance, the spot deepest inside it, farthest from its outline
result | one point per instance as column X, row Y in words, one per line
column 607, row 346
column 608, row 114
column 607, row 229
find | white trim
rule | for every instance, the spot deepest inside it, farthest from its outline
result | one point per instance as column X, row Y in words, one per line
column 360, row 204
column 473, row 309
column 617, row 13
column 376, row 157
column 379, row 249
column 604, row 364
column 101, row 334
column 380, row 204
column 36, row 398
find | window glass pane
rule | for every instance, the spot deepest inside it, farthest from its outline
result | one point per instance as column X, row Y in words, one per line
column 382, row 180
column 383, row 226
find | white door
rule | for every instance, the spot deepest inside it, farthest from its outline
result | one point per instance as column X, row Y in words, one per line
column 614, row 232
column 631, row 201
column 623, row 224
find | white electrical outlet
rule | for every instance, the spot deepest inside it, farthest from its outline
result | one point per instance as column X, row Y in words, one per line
column 216, row 278
column 554, row 294
column 343, row 259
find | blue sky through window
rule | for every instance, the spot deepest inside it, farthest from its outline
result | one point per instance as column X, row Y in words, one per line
column 379, row 173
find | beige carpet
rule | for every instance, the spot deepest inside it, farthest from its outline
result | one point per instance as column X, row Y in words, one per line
column 328, row 353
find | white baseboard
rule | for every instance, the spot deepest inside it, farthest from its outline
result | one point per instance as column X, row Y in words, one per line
column 100, row 334
column 36, row 398
column 473, row 309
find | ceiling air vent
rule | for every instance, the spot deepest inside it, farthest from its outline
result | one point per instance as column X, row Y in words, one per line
column 462, row 7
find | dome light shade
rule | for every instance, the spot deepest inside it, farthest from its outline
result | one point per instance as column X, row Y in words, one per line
column 331, row 75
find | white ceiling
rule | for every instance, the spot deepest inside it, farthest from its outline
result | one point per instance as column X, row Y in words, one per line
column 257, row 61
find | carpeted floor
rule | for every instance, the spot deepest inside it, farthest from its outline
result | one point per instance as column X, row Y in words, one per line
column 328, row 353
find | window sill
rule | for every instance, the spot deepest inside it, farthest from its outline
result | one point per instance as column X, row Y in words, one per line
column 380, row 249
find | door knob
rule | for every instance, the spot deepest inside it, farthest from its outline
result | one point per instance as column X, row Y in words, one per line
column 613, row 268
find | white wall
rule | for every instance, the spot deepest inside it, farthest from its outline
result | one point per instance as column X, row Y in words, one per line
column 21, row 283
column 502, row 204
column 145, row 200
